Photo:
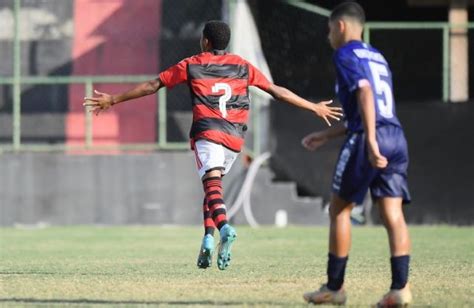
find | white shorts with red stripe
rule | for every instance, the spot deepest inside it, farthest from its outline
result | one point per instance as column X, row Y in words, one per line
column 211, row 156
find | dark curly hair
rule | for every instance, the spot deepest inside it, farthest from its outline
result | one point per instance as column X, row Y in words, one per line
column 218, row 34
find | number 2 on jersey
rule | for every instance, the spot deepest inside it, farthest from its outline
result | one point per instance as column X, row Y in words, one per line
column 224, row 98
column 382, row 88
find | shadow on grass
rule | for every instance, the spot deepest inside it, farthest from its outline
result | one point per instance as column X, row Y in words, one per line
column 133, row 302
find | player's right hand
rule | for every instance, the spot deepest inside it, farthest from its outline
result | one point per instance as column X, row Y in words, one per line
column 99, row 103
column 377, row 160
column 324, row 111
column 314, row 140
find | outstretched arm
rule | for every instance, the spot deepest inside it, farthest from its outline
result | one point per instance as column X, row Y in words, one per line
column 320, row 109
column 104, row 101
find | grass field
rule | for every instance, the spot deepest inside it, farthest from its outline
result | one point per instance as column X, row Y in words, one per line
column 128, row 266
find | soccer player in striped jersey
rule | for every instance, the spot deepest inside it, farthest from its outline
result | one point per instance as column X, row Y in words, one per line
column 219, row 85
column 373, row 156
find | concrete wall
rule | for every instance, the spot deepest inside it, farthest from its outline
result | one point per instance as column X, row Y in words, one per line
column 122, row 189
column 153, row 188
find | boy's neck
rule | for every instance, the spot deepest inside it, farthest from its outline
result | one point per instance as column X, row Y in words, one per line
column 351, row 38
column 352, row 33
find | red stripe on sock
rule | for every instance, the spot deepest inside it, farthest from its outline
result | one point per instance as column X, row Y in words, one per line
column 220, row 218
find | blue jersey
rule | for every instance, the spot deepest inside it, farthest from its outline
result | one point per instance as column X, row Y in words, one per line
column 357, row 65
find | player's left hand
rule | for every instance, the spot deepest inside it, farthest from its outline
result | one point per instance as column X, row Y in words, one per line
column 314, row 140
column 324, row 111
column 99, row 103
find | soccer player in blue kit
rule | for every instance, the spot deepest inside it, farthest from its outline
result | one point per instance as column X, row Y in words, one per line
column 374, row 156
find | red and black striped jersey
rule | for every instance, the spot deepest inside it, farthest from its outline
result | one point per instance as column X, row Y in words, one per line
column 219, row 84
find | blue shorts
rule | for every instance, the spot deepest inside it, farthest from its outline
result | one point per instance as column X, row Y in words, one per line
column 354, row 174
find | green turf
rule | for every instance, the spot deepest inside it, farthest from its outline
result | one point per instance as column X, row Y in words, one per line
column 127, row 266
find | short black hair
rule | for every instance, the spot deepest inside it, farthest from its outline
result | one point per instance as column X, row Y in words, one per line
column 348, row 9
column 218, row 33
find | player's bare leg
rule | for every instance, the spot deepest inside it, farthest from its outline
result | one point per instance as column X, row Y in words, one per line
column 340, row 226
column 339, row 246
column 212, row 181
column 391, row 212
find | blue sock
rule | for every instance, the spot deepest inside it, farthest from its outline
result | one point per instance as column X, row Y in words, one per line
column 336, row 271
column 400, row 266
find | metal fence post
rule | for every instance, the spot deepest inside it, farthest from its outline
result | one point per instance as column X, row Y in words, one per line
column 367, row 34
column 309, row 7
column 446, row 63
column 88, row 121
column 16, row 79
column 162, row 118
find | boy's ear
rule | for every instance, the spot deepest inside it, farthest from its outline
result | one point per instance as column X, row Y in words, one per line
column 342, row 25
column 206, row 42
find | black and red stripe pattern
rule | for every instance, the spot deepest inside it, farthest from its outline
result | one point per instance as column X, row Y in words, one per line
column 208, row 121
column 209, row 225
column 216, row 78
column 215, row 202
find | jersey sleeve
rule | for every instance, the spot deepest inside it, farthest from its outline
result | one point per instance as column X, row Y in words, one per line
column 351, row 72
column 175, row 75
column 257, row 79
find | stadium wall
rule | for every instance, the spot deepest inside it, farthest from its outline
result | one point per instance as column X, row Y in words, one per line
column 160, row 188
column 440, row 139
column 60, row 189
